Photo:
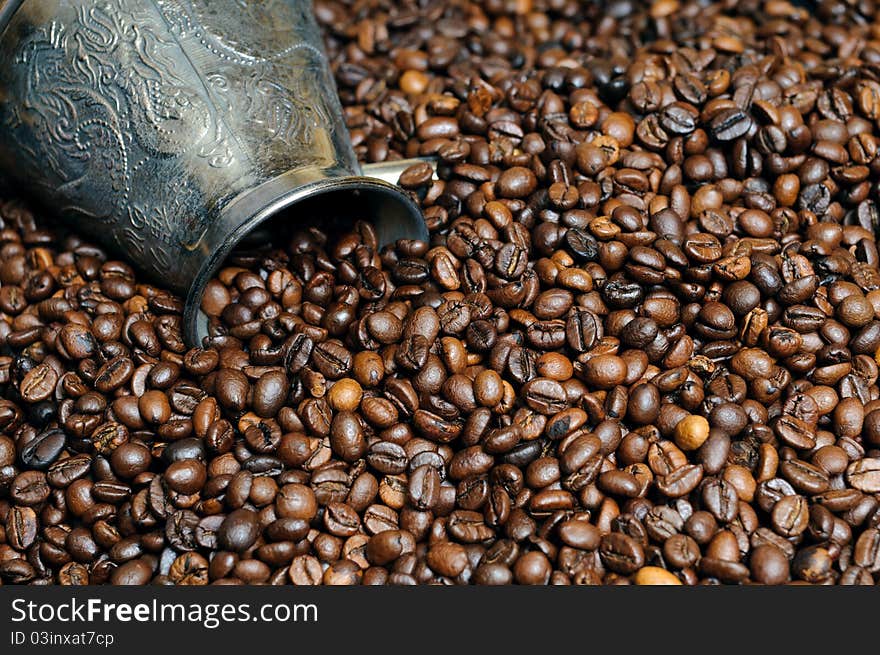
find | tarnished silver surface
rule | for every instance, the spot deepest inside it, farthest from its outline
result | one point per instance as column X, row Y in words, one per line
column 169, row 129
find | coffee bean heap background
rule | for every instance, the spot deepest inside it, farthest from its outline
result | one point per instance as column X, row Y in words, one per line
column 639, row 346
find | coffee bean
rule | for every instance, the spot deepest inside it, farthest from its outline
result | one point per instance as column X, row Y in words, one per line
column 186, row 476
column 680, row 482
column 468, row 527
column 794, row 432
column 73, row 574
column 232, row 389
column 238, row 531
column 516, row 182
column 604, row 371
column 424, row 488
column 724, row 570
column 38, row 384
column 29, row 488
column 545, row 395
column 867, row 550
column 812, row 564
column 679, row 118
column 730, row 124
column 106, row 437
column 719, row 497
column 181, row 530
column 65, row 471
column 621, row 553
column 21, row 527
column 43, row 449
column 346, row 436
column 864, row 475
column 769, row 565
column 804, row 477
column 532, row 568
column 654, row 575
column 305, row 570
column 114, row 374
column 790, row 515
column 341, row 520
column 135, row 572
column 418, row 174
column 270, row 393
column 681, row 550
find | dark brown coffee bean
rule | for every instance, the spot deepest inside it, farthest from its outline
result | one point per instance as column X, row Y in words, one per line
column 29, row 489
column 719, row 498
column 43, row 449
column 681, row 481
column 21, row 527
column 864, row 475
column 114, row 374
column 232, row 389
column 238, row 531
column 544, row 395
column 270, row 393
column 583, row 330
column 305, row 570
column 341, row 520
column 621, row 553
column 730, row 124
column 423, row 491
column 516, row 182
column 38, row 384
column 790, row 515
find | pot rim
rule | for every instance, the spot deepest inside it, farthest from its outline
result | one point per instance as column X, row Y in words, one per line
column 373, row 199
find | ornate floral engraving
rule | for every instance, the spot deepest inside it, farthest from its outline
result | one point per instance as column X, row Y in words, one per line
column 145, row 118
column 263, row 69
column 103, row 95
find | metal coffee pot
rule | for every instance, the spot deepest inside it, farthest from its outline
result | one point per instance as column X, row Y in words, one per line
column 169, row 130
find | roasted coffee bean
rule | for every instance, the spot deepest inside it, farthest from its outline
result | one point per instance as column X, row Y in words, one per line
column 866, row 552
column 468, row 527
column 181, row 530
column 38, row 384
column 29, row 489
column 232, row 389
column 516, row 182
column 545, row 395
column 532, row 568
column 864, row 475
column 680, row 482
column 730, row 124
column 583, row 330
column 43, row 449
column 621, row 553
column 109, row 436
column 65, row 471
column 270, row 393
column 305, row 570
column 424, row 487
column 21, row 527
column 790, row 515
column 341, row 520
column 238, row 531
column 719, row 498
column 387, row 458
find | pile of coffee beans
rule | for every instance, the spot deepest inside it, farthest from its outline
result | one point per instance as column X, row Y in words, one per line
column 640, row 346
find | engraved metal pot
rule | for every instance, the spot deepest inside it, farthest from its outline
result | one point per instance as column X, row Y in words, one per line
column 169, row 129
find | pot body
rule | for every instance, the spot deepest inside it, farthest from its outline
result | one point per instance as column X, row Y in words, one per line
column 169, row 129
